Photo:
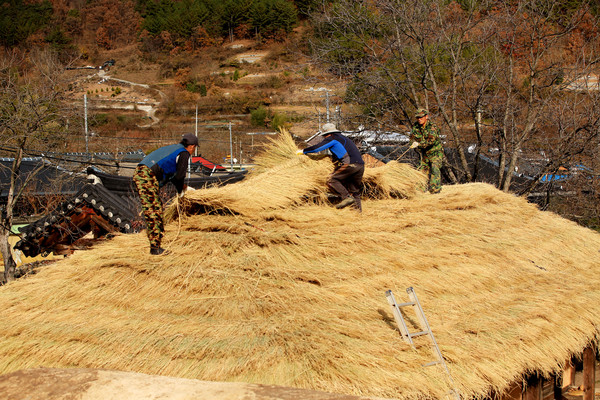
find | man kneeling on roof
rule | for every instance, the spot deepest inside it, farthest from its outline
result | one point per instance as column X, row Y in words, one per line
column 166, row 164
column 349, row 166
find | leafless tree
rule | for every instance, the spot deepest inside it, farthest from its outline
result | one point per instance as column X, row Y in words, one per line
column 492, row 71
column 536, row 72
column 31, row 118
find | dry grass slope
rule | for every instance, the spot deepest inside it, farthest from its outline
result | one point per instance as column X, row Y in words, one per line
column 289, row 291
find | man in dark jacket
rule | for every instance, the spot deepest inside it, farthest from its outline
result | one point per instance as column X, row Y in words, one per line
column 349, row 167
column 166, row 164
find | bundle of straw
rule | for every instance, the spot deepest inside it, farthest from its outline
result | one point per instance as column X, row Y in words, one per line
column 283, row 179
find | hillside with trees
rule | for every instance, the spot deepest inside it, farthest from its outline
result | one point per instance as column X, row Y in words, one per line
column 514, row 80
column 162, row 25
column 190, row 53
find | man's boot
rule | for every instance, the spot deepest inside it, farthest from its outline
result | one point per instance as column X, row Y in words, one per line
column 357, row 203
column 157, row 251
column 345, row 203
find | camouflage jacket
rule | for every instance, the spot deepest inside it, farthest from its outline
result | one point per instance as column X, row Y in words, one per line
column 428, row 137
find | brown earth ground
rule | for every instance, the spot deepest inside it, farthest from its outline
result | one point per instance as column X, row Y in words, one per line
column 90, row 384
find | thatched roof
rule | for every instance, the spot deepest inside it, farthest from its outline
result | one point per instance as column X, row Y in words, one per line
column 280, row 288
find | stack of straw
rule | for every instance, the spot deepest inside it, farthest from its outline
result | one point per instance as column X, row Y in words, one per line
column 283, row 179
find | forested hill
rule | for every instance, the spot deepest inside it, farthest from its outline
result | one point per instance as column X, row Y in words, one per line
column 159, row 25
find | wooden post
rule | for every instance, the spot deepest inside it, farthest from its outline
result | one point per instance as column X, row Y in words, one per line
column 589, row 372
column 557, row 388
column 569, row 374
column 533, row 390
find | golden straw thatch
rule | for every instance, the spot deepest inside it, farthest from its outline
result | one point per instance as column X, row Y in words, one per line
column 283, row 179
column 265, row 285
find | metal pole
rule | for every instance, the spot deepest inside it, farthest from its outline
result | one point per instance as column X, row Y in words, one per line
column 189, row 168
column 230, row 147
column 196, row 149
column 327, row 103
column 85, row 121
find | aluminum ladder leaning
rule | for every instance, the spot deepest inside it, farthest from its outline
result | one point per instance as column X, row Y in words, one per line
column 425, row 329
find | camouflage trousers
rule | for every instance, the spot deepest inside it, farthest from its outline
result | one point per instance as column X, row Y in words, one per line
column 148, row 190
column 431, row 166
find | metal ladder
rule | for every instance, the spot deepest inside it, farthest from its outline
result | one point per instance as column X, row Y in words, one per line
column 425, row 329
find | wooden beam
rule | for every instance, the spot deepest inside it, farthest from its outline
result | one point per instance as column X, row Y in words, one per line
column 515, row 392
column 533, row 389
column 102, row 223
column 589, row 372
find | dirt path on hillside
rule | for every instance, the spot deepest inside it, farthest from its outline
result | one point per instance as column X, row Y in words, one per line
column 128, row 100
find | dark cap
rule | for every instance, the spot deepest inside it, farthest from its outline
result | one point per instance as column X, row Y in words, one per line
column 188, row 139
column 421, row 112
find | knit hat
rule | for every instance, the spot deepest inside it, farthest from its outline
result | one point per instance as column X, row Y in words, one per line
column 188, row 139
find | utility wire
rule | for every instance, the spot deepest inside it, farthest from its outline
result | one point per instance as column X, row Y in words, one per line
column 34, row 153
column 79, row 137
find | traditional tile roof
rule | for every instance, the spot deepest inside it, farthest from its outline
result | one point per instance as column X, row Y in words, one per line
column 93, row 209
column 124, row 184
column 107, row 206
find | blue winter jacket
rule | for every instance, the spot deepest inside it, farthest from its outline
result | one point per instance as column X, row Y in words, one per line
column 343, row 150
column 168, row 164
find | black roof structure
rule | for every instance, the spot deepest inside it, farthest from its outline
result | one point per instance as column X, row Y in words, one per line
column 45, row 178
column 93, row 208
column 109, row 204
column 127, row 156
column 123, row 185
column 96, row 201
column 487, row 169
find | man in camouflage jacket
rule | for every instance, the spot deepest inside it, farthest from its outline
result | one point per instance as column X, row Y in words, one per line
column 425, row 139
column 166, row 164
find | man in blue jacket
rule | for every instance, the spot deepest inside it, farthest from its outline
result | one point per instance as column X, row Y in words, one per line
column 349, row 167
column 166, row 164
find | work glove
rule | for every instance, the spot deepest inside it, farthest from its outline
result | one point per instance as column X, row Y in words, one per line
column 414, row 144
column 186, row 190
column 299, row 152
